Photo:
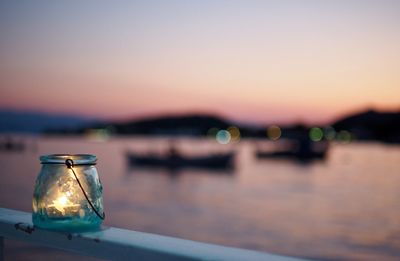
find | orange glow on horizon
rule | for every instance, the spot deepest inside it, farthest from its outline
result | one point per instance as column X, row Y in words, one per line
column 292, row 65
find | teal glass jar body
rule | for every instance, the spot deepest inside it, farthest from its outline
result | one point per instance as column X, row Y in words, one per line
column 68, row 198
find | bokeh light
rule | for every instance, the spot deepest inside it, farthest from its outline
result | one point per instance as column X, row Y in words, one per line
column 344, row 136
column 212, row 132
column 274, row 132
column 316, row 134
column 223, row 137
column 99, row 135
column 235, row 133
column 329, row 133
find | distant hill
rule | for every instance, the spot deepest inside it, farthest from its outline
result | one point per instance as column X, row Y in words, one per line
column 188, row 125
column 368, row 125
column 372, row 125
column 165, row 125
column 12, row 121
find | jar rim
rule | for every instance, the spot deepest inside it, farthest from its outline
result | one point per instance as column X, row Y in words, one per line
column 61, row 158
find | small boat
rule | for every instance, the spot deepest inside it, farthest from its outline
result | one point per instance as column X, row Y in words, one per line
column 300, row 150
column 292, row 154
column 175, row 161
column 10, row 144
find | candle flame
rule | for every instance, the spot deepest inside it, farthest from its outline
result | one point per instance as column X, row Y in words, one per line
column 60, row 204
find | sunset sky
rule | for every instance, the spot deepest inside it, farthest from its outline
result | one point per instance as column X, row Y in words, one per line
column 254, row 61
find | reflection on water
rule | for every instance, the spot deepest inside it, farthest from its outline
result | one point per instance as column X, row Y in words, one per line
column 345, row 207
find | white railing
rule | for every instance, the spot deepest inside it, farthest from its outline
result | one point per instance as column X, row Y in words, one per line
column 120, row 244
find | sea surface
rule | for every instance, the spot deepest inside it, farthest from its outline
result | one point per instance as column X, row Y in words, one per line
column 345, row 207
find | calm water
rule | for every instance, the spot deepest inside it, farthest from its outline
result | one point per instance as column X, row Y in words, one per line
column 346, row 207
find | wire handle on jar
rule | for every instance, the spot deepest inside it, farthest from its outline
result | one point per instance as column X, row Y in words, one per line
column 70, row 164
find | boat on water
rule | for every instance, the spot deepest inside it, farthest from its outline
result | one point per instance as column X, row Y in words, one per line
column 218, row 161
column 292, row 154
column 10, row 144
column 299, row 150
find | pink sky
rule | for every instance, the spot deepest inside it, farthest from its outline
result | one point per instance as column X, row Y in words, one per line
column 276, row 61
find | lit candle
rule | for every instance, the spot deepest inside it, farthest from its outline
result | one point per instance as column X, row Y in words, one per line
column 62, row 205
column 67, row 194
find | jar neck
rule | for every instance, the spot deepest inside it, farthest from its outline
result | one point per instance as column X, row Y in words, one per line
column 66, row 159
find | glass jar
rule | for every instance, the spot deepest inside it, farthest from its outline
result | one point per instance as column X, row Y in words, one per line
column 68, row 193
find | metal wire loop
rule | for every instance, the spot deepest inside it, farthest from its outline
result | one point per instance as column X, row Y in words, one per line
column 70, row 164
